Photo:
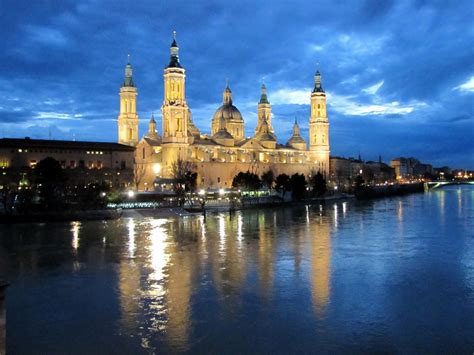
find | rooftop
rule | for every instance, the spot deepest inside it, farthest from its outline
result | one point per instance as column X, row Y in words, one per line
column 47, row 143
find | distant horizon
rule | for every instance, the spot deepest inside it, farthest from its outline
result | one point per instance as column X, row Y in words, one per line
column 399, row 75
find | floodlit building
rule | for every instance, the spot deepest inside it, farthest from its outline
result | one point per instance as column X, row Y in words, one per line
column 218, row 157
column 83, row 162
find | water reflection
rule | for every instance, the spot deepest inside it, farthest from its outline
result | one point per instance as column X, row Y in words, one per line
column 75, row 228
column 229, row 281
column 321, row 263
column 131, row 237
column 266, row 253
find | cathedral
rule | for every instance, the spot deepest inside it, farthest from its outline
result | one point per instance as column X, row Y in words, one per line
column 217, row 157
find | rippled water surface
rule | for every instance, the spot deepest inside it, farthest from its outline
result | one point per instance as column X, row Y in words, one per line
column 391, row 275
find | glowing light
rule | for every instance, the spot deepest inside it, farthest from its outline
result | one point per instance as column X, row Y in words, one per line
column 131, row 238
column 240, row 224
column 130, row 193
column 75, row 227
column 221, row 192
column 222, row 235
column 202, row 192
column 156, row 168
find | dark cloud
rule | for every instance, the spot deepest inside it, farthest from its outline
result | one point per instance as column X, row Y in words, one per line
column 62, row 65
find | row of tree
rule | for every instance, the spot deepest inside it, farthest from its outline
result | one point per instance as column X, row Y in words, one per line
column 296, row 183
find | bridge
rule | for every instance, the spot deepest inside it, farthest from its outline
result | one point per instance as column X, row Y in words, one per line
column 438, row 184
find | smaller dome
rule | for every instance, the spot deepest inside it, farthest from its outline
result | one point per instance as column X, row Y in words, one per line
column 222, row 134
column 296, row 140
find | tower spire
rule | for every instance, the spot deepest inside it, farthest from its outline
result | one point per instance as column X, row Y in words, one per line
column 128, row 74
column 174, row 54
column 317, row 82
column 263, row 95
column 227, row 94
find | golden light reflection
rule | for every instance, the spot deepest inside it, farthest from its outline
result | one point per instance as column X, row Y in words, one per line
column 75, row 228
column 240, row 224
column 321, row 266
column 400, row 211
column 344, row 209
column 202, row 222
column 131, row 237
column 159, row 258
column 226, row 257
column 222, row 235
column 176, row 266
column 336, row 216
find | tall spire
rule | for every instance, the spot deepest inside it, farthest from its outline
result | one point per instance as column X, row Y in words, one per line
column 174, row 54
column 152, row 132
column 317, row 82
column 227, row 94
column 128, row 74
column 263, row 96
column 296, row 129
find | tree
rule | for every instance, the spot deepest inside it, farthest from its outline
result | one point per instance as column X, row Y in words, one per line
column 268, row 178
column 50, row 181
column 246, row 181
column 186, row 179
column 318, row 183
column 358, row 181
column 368, row 175
column 90, row 196
column 282, row 183
column 139, row 172
column 298, row 186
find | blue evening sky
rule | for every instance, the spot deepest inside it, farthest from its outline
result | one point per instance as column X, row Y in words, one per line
column 399, row 74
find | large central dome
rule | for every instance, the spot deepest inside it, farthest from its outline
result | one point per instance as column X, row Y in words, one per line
column 231, row 117
column 229, row 112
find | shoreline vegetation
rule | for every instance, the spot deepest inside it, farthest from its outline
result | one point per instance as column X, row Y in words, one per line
column 361, row 193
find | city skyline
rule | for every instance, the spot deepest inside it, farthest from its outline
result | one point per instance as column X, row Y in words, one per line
column 399, row 76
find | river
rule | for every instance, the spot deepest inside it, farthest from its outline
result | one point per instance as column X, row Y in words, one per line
column 388, row 275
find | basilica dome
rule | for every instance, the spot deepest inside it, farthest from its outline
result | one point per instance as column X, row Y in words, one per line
column 228, row 116
column 229, row 112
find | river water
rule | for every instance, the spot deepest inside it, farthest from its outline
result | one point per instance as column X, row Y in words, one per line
column 388, row 275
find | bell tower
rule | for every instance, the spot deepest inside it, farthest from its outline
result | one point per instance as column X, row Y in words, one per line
column 264, row 111
column 175, row 108
column 319, row 126
column 128, row 118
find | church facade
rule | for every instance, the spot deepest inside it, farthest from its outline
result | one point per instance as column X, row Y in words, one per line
column 219, row 156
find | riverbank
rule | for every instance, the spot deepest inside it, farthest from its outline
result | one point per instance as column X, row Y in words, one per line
column 369, row 192
column 224, row 206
